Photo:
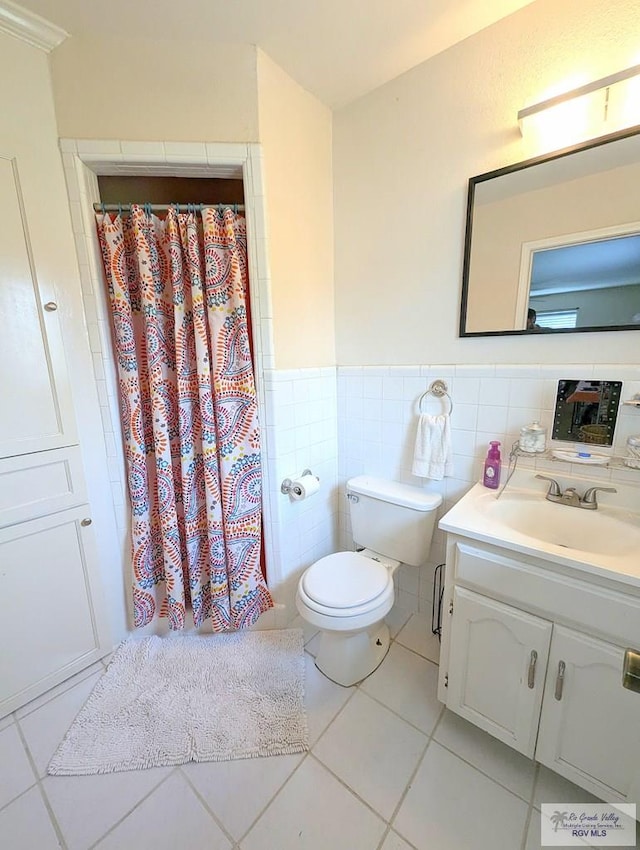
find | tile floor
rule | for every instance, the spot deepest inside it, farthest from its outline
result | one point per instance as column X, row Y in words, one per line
column 389, row 769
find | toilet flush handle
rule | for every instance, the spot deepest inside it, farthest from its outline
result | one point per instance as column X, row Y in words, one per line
column 352, row 497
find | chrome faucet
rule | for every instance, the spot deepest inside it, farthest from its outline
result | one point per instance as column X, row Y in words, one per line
column 571, row 497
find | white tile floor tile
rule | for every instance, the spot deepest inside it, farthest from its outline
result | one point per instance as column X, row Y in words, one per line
column 315, row 812
column 394, row 842
column 450, row 805
column 45, row 727
column 86, row 807
column 470, row 792
column 25, row 824
column 16, row 774
column 312, row 646
column 406, row 683
column 324, row 699
column 396, row 618
column 171, row 817
column 489, row 755
column 552, row 788
column 373, row 751
column 417, row 635
column 238, row 791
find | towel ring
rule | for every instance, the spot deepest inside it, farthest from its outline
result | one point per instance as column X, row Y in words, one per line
column 438, row 389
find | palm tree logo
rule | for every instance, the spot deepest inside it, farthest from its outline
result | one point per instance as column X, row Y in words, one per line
column 558, row 819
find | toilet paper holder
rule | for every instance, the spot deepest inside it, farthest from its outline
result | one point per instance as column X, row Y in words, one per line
column 287, row 484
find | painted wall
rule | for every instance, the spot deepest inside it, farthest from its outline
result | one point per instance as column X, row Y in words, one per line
column 295, row 133
column 402, row 159
column 141, row 90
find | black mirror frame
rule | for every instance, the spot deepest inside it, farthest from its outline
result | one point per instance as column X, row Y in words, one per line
column 508, row 169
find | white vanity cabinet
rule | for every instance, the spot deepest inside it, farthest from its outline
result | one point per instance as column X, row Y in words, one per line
column 532, row 653
column 497, row 664
column 590, row 723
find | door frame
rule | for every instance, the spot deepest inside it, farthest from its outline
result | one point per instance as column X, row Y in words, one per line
column 85, row 160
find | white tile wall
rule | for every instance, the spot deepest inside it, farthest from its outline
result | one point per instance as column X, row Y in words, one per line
column 301, row 423
column 377, row 419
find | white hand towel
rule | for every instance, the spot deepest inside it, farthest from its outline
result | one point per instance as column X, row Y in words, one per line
column 432, row 455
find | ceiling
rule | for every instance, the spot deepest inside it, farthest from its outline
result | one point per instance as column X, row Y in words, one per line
column 336, row 49
column 595, row 264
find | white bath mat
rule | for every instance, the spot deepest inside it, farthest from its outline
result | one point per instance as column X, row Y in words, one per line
column 167, row 701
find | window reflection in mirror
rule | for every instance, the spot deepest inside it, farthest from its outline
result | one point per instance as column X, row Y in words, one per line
column 559, row 235
column 583, row 283
column 586, row 411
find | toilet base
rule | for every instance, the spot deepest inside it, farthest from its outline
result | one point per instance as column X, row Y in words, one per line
column 349, row 657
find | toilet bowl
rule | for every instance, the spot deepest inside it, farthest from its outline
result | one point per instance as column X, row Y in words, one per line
column 348, row 594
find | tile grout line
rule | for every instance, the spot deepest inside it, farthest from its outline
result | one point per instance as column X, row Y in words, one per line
column 531, row 808
column 306, row 755
column 204, row 803
column 403, row 796
column 271, row 799
column 393, row 711
column 348, row 788
column 45, row 799
column 484, row 773
column 130, row 811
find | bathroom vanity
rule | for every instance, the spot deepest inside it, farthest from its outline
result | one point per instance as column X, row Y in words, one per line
column 541, row 609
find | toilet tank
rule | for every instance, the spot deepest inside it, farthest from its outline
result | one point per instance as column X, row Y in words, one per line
column 393, row 519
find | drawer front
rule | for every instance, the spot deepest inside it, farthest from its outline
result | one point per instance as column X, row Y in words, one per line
column 557, row 596
column 40, row 484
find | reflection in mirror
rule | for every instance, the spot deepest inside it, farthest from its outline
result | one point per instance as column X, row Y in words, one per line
column 584, row 282
column 553, row 244
column 586, row 411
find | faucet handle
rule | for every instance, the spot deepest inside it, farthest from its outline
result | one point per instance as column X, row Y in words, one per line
column 589, row 497
column 554, row 487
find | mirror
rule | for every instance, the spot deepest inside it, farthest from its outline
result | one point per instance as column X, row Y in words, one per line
column 586, row 411
column 553, row 243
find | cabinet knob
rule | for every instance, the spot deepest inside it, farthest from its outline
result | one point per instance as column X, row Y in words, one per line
column 559, row 680
column 51, row 306
column 531, row 678
column 86, row 521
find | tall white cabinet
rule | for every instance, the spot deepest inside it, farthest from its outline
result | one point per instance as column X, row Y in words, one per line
column 52, row 618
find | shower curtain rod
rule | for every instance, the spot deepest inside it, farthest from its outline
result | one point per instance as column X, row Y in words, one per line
column 164, row 207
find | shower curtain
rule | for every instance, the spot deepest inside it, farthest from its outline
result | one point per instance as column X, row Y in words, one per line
column 177, row 289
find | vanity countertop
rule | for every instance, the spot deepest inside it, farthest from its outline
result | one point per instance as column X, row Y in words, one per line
column 604, row 542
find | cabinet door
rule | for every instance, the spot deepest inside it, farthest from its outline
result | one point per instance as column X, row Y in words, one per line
column 590, row 723
column 51, row 627
column 497, row 665
column 36, row 412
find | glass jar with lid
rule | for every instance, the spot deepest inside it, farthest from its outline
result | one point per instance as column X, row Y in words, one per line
column 633, row 452
column 533, row 438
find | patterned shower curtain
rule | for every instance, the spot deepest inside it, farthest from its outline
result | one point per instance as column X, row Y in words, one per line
column 189, row 414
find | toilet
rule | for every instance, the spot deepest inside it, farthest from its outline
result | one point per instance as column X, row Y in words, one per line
column 348, row 594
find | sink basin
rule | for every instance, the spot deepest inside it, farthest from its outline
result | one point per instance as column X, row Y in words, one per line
column 603, row 531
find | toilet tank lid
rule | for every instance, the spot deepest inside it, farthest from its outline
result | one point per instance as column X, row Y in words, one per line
column 392, row 491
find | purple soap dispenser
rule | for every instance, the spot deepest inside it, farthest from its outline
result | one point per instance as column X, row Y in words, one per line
column 491, row 477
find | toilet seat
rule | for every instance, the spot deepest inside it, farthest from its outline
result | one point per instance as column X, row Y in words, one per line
column 345, row 584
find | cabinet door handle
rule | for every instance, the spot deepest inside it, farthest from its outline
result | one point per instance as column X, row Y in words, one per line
column 85, row 522
column 51, row 306
column 531, row 677
column 560, row 680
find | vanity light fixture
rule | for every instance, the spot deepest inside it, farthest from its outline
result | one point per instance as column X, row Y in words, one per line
column 601, row 107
